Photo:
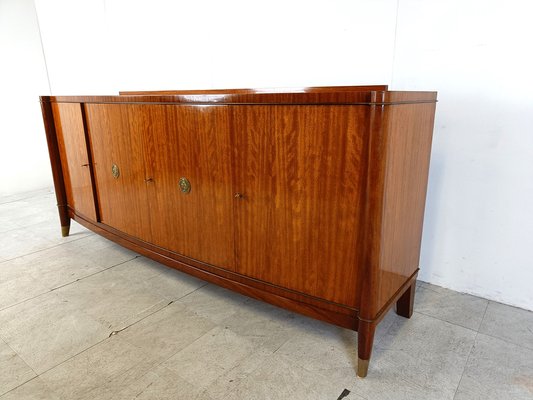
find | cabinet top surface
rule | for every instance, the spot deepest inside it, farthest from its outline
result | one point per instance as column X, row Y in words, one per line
column 340, row 95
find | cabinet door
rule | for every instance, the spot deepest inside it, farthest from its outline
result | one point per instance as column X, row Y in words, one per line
column 74, row 158
column 299, row 170
column 190, row 143
column 117, row 151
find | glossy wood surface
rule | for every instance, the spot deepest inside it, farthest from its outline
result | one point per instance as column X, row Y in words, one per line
column 312, row 89
column 74, row 158
column 405, row 304
column 115, row 140
column 318, row 98
column 375, row 156
column 193, row 143
column 315, row 308
column 301, row 189
column 409, row 134
column 310, row 200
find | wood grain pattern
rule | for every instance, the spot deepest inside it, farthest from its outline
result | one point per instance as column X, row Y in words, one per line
column 74, row 158
column 115, row 139
column 281, row 297
column 317, row 98
column 302, row 192
column 409, row 129
column 311, row 89
column 310, row 200
column 374, row 165
column 191, row 142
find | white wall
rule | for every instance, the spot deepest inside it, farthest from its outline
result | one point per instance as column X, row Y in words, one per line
column 478, row 232
column 476, row 53
column 104, row 47
column 24, row 162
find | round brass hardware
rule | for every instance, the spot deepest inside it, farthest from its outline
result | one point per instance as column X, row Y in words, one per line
column 148, row 180
column 185, row 185
column 239, row 196
column 115, row 171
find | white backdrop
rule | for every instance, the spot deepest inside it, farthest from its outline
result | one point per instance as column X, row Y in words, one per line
column 24, row 161
column 477, row 54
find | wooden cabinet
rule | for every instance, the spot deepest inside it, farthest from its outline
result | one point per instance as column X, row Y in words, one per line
column 310, row 199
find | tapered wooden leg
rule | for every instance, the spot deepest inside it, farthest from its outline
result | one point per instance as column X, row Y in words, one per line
column 64, row 219
column 404, row 305
column 365, row 341
column 55, row 161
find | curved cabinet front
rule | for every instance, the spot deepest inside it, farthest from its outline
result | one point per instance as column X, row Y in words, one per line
column 312, row 201
column 154, row 148
column 117, row 150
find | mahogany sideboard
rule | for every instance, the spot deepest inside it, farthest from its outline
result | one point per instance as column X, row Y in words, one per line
column 311, row 199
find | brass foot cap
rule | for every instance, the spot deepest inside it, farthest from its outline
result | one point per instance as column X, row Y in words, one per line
column 362, row 367
column 65, row 231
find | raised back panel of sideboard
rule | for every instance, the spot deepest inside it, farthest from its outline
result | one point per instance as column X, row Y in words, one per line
column 318, row 89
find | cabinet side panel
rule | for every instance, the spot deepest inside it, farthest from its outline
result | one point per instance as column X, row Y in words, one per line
column 74, row 158
column 409, row 129
column 299, row 170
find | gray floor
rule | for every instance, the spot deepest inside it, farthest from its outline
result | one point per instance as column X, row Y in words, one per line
column 82, row 318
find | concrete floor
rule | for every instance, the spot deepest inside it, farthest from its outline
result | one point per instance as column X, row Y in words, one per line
column 82, row 318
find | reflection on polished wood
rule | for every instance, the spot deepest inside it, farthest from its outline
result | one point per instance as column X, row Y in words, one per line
column 311, row 199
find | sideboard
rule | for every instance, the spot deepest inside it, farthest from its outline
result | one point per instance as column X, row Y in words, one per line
column 311, row 199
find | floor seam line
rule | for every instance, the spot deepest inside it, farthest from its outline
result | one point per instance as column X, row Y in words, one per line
column 25, row 362
column 116, row 332
column 75, row 355
column 66, row 284
column 448, row 322
column 484, row 314
column 95, row 273
column 185, row 295
column 498, row 337
column 15, row 388
column 103, row 340
column 47, row 248
column 470, row 353
column 465, row 366
column 26, row 198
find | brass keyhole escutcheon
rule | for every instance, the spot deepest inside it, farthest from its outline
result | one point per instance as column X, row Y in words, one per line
column 115, row 171
column 185, row 185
